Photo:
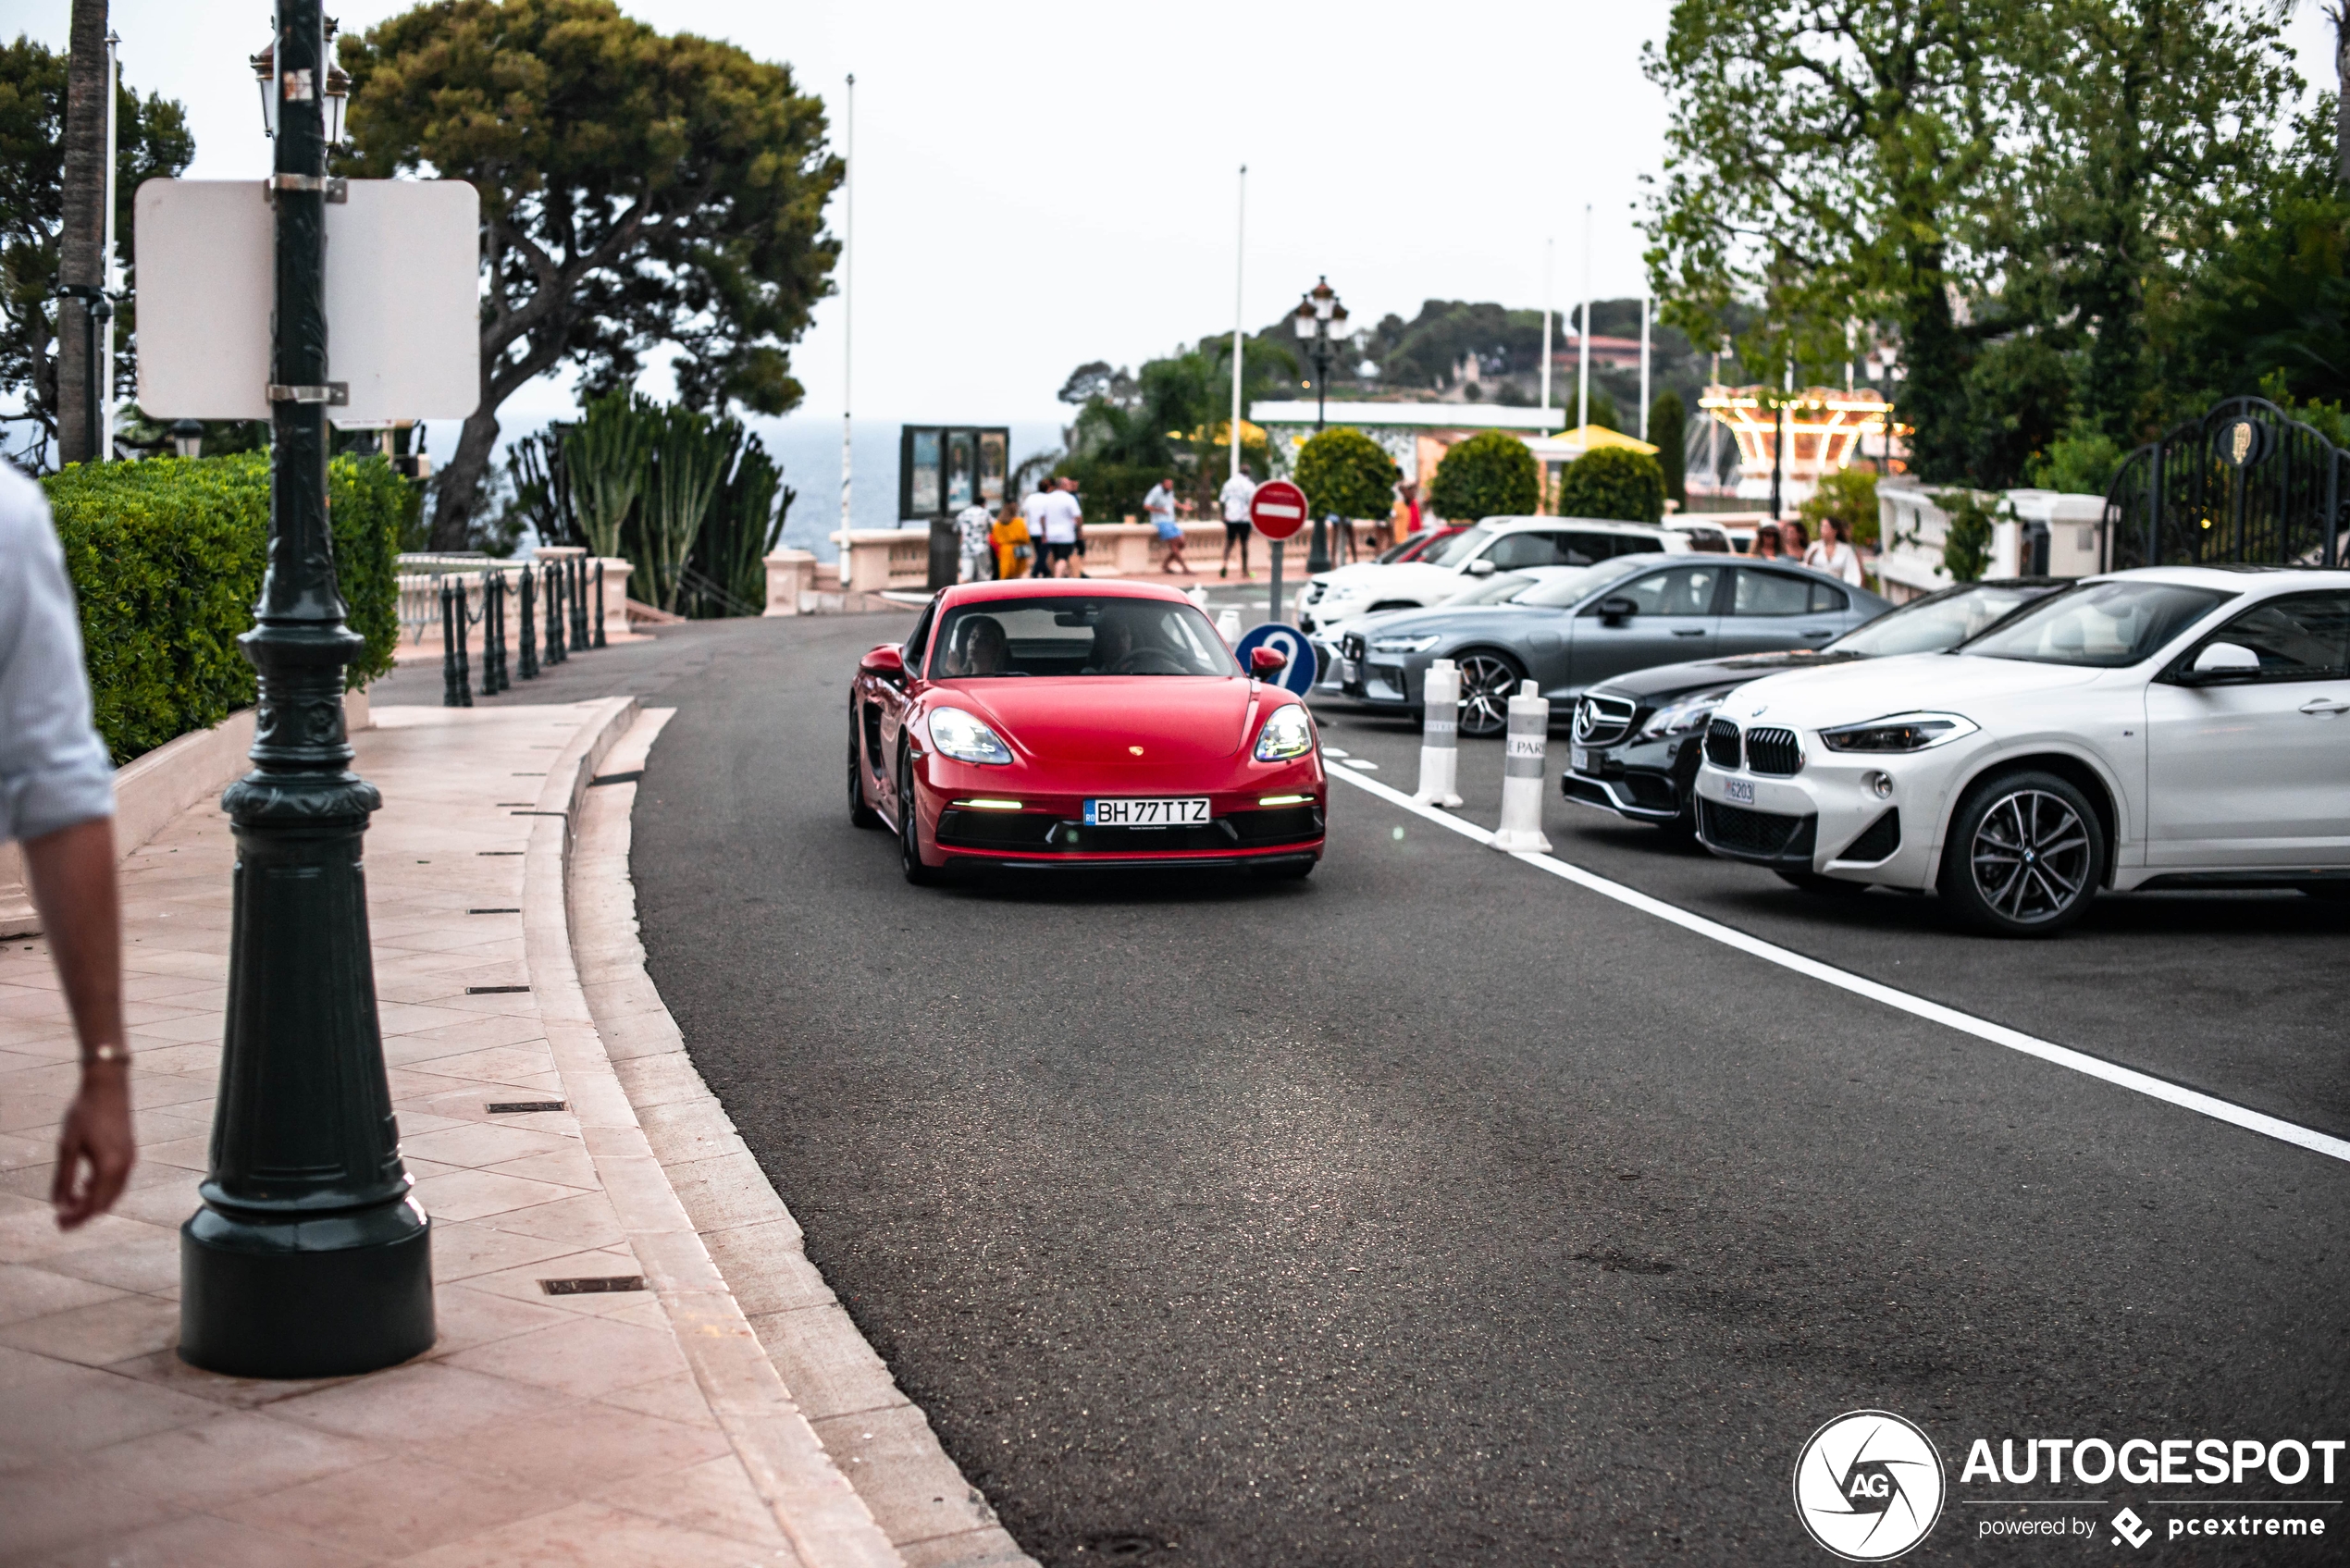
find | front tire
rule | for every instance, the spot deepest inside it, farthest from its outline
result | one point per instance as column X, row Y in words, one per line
column 2024, row 855
column 1488, row 682
column 910, row 816
column 859, row 814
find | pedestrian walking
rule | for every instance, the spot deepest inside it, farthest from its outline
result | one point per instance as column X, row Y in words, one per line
column 1159, row 505
column 1834, row 554
column 56, row 802
column 1064, row 521
column 1795, row 539
column 1014, row 550
column 1238, row 492
column 1033, row 513
column 1766, row 543
column 1410, row 496
column 972, row 528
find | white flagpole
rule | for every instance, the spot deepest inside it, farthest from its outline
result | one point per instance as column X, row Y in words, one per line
column 109, row 275
column 1240, row 260
column 1549, row 272
column 847, row 251
column 1583, row 367
column 1644, row 365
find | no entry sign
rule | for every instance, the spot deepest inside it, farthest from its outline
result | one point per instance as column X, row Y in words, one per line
column 1278, row 509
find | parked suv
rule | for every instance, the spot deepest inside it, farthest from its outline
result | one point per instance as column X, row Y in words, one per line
column 2174, row 726
column 1636, row 736
column 1497, row 544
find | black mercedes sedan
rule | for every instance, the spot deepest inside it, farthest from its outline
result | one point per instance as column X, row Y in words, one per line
column 1636, row 736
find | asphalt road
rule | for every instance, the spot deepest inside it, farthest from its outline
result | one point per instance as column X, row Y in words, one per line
column 1437, row 1211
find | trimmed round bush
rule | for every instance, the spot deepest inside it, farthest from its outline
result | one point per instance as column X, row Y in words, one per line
column 1345, row 472
column 1613, row 482
column 1489, row 474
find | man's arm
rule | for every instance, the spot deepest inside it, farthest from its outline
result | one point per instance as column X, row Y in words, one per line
column 71, row 873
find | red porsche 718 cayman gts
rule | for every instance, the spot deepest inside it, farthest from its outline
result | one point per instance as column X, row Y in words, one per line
column 1078, row 724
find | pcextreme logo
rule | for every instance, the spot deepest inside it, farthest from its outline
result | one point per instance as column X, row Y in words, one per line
column 1868, row 1486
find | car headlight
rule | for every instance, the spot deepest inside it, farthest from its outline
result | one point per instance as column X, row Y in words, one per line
column 1680, row 718
column 1286, row 733
column 964, row 738
column 1402, row 644
column 1898, row 731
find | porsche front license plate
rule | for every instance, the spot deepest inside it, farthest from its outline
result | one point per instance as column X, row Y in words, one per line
column 1145, row 814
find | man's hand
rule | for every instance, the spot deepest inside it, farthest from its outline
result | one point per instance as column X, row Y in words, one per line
column 94, row 1146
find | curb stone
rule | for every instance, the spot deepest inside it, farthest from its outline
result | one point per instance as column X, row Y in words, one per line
column 820, row 1512
column 885, row 1443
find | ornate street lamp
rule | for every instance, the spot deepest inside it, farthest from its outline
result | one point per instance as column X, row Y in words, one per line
column 265, row 73
column 187, row 437
column 309, row 1258
column 1321, row 321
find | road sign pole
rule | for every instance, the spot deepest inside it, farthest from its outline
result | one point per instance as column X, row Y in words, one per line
column 308, row 1258
column 1275, row 612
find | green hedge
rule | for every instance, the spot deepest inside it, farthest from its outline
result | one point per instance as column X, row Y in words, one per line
column 166, row 557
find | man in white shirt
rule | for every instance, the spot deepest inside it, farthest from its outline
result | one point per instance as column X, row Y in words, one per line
column 57, row 801
column 1064, row 520
column 972, row 528
column 1238, row 492
column 1032, row 511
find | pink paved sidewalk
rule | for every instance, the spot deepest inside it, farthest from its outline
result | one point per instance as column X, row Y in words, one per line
column 540, row 1428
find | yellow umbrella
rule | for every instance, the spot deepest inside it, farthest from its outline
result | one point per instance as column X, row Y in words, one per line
column 1590, row 436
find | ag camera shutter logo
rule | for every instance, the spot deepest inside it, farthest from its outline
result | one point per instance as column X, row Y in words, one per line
column 1868, row 1486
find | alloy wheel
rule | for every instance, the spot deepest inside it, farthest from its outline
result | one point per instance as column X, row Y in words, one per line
column 910, row 816
column 1488, row 682
column 2032, row 857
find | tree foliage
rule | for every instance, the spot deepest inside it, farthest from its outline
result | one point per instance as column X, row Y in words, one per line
column 1170, row 418
column 638, row 190
column 1668, row 431
column 1345, row 472
column 151, row 141
column 1847, row 495
column 1614, row 482
column 1489, row 474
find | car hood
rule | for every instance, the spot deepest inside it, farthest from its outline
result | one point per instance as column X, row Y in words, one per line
column 1968, row 684
column 1488, row 620
column 1096, row 719
column 1664, row 682
column 1369, row 579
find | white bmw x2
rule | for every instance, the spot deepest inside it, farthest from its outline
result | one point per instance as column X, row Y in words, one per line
column 2169, row 727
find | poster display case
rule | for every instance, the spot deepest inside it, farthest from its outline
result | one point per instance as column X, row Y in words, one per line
column 944, row 468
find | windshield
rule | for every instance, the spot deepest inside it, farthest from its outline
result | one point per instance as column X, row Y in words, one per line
column 2105, row 625
column 1460, row 547
column 1558, row 588
column 1500, row 588
column 1077, row 636
column 1935, row 622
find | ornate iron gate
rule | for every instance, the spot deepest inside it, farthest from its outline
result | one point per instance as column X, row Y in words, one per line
column 2246, row 483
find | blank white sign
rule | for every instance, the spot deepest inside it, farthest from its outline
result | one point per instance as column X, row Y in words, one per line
column 403, row 326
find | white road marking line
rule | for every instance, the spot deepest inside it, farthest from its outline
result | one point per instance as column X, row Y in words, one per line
column 1917, row 1007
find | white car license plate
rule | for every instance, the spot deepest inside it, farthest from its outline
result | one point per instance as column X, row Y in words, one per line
column 1584, row 762
column 1349, row 671
column 1741, row 790
column 1145, row 814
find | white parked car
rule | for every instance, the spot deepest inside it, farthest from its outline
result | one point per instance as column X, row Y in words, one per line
column 1497, row 544
column 2169, row 727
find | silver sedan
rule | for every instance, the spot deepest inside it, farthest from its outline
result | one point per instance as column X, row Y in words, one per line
column 1583, row 626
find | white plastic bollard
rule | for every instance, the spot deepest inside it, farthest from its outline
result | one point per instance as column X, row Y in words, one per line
column 1440, row 735
column 1197, row 595
column 1529, row 731
column 1228, row 626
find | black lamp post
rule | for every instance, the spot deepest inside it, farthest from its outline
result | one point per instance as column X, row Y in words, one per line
column 1321, row 321
column 309, row 1257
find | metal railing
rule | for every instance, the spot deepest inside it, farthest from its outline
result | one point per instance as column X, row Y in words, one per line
column 458, row 592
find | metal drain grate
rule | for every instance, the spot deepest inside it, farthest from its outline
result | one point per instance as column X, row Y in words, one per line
column 629, row 777
column 516, row 1107
column 494, row 990
column 493, row 911
column 594, row 1284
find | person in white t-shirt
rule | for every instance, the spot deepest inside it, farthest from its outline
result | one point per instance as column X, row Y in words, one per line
column 1032, row 511
column 1833, row 554
column 1064, row 520
column 1238, row 492
column 1159, row 506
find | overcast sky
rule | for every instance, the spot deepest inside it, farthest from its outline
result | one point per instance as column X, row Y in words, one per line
column 1041, row 184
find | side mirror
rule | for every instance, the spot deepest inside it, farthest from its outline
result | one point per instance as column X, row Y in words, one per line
column 1616, row 609
column 1263, row 662
column 1480, row 568
column 2222, row 659
column 887, row 661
